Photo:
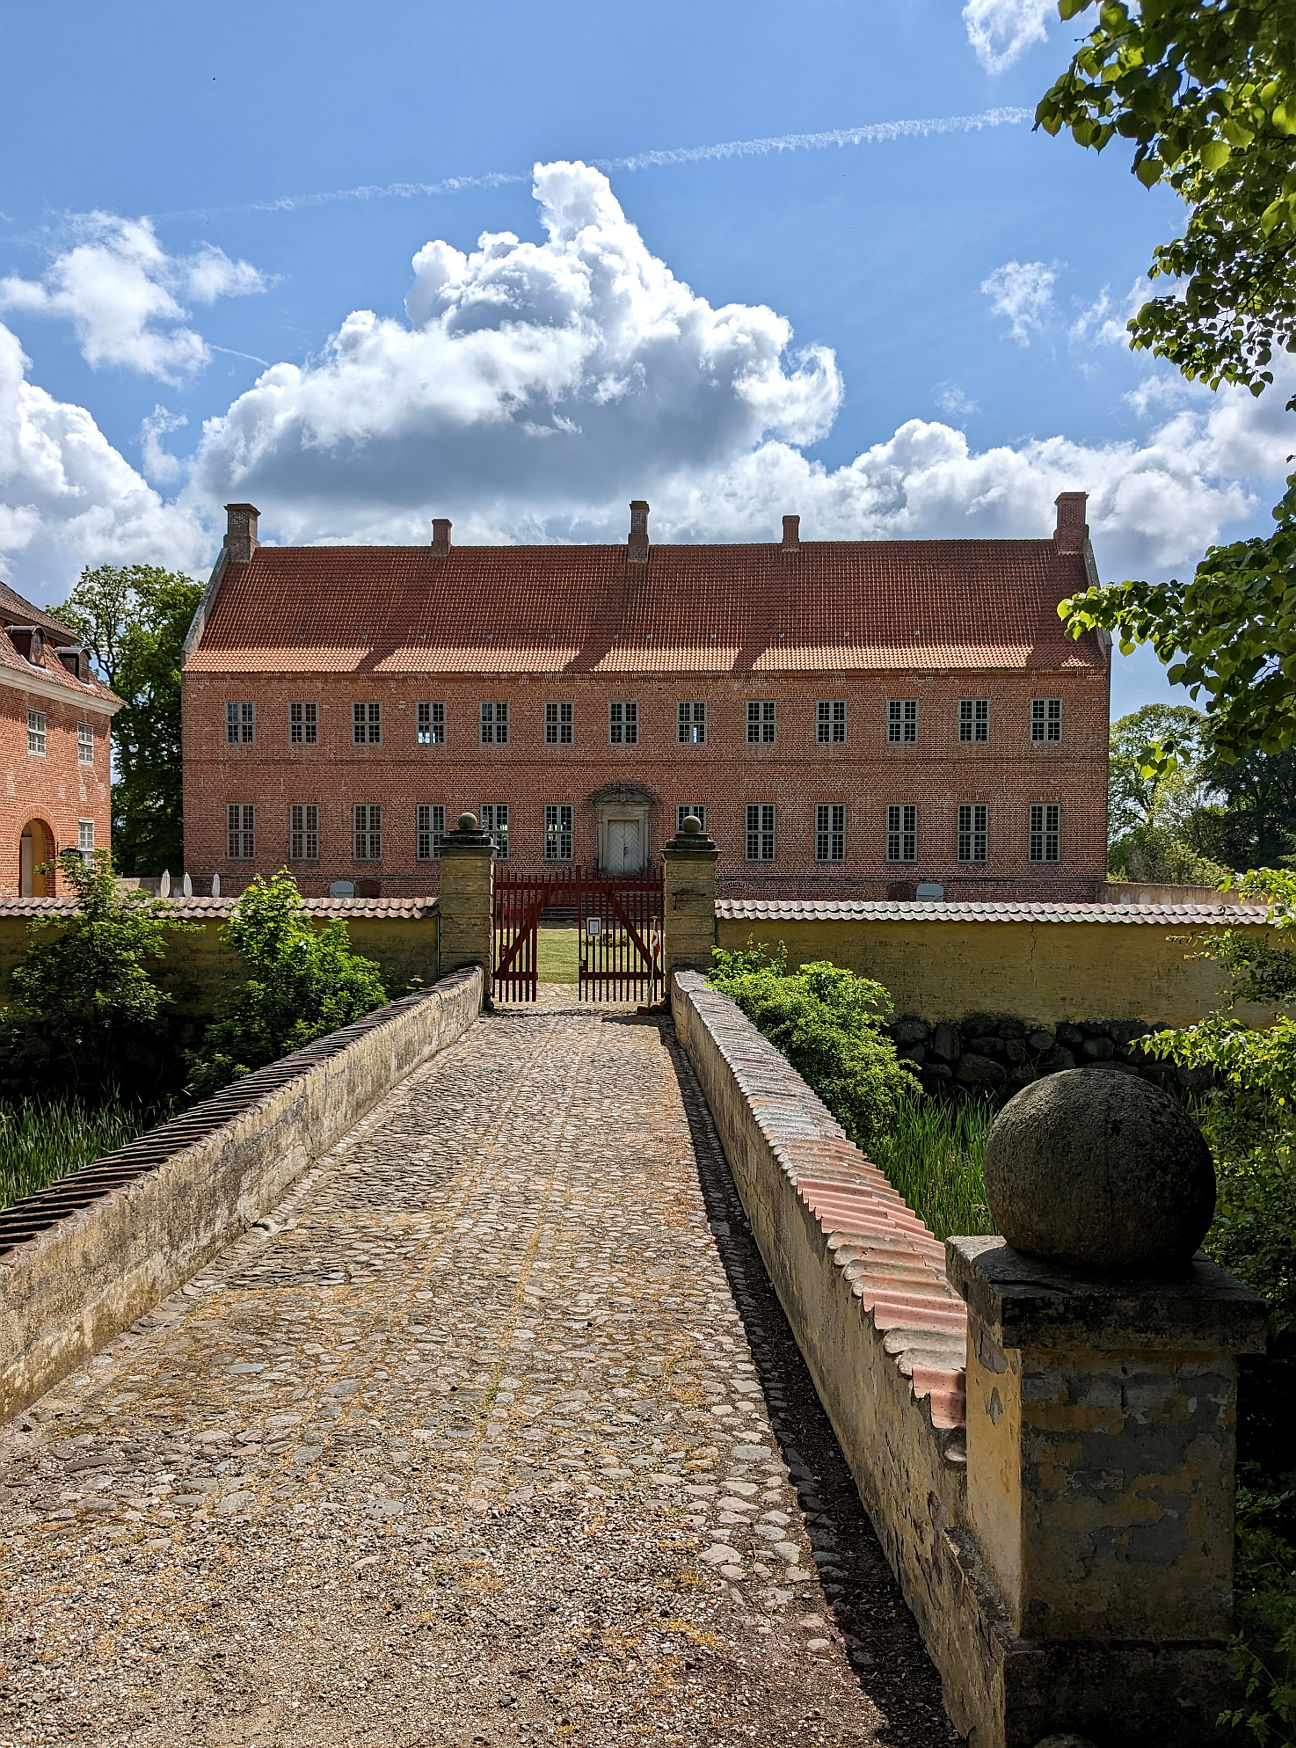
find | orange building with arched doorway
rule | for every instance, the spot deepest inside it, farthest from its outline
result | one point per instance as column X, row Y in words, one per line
column 55, row 748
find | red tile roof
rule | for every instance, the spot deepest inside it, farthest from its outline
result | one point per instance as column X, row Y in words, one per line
column 16, row 610
column 833, row 605
column 882, row 910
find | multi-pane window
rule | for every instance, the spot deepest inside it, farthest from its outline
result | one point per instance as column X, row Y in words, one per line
column 366, row 820
column 902, row 832
column 303, row 832
column 558, row 725
column 85, row 841
column 1045, row 831
column 366, row 725
column 830, row 722
column 240, row 832
column 623, row 724
column 762, row 722
column 1046, row 719
column 830, row 832
column 902, row 720
column 684, row 811
column 303, row 725
column 240, row 724
column 37, row 738
column 692, row 722
column 558, row 832
column 494, row 725
column 973, row 831
column 974, row 719
column 760, row 832
column 431, row 725
column 85, row 743
column 495, row 820
column 429, row 829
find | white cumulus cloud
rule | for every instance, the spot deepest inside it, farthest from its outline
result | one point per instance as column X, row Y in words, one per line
column 123, row 295
column 1001, row 31
column 69, row 499
column 1022, row 293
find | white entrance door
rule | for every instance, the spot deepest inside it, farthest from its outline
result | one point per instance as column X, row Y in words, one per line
column 623, row 846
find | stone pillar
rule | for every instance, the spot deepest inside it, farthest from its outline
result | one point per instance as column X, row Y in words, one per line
column 466, row 906
column 688, row 926
column 1101, row 1396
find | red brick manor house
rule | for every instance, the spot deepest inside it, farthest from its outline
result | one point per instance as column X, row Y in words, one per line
column 849, row 717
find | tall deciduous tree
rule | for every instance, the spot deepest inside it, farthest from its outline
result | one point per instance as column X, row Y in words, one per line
column 1205, row 92
column 134, row 619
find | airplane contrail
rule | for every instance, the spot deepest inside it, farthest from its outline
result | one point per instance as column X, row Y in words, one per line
column 871, row 133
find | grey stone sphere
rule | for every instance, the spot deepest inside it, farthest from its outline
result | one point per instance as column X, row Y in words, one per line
column 467, row 822
column 1100, row 1171
column 690, row 825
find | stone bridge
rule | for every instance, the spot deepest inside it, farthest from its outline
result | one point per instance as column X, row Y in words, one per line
column 491, row 1431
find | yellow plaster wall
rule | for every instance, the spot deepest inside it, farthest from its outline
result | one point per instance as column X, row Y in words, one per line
column 1039, row 970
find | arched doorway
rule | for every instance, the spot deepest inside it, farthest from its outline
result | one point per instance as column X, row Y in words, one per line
column 35, row 849
column 622, row 811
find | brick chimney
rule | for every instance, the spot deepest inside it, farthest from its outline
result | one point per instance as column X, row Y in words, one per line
column 1072, row 530
column 241, row 532
column 638, row 549
column 441, row 536
column 791, row 534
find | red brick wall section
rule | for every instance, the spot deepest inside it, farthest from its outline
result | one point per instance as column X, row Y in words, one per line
column 56, row 789
column 725, row 775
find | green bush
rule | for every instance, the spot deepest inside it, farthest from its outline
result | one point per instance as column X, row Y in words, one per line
column 829, row 1024
column 303, row 982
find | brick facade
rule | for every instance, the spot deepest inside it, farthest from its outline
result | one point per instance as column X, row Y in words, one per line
column 563, row 752
column 55, row 749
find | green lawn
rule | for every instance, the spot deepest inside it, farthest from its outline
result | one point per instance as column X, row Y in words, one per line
column 557, row 955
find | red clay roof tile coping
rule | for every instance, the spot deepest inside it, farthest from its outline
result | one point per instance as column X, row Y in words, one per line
column 892, row 1264
column 959, row 911
column 197, row 908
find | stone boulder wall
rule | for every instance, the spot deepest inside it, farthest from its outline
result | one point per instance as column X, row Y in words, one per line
column 999, row 1054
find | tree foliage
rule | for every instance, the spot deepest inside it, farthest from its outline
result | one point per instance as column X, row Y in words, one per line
column 134, row 620
column 1205, row 92
column 303, row 982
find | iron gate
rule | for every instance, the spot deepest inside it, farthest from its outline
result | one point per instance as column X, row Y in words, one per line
column 619, row 919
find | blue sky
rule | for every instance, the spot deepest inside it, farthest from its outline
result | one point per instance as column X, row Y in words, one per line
column 905, row 336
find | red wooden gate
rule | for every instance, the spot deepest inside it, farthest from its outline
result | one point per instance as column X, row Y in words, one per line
column 619, row 917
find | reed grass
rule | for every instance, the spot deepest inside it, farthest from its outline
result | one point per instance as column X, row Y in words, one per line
column 934, row 1155
column 46, row 1139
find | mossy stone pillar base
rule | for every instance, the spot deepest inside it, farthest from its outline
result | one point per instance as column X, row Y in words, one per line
column 467, row 899
column 688, row 925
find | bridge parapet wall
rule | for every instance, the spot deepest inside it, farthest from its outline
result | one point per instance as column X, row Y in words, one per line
column 83, row 1259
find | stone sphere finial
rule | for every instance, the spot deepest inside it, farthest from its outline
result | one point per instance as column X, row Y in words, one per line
column 691, row 826
column 1096, row 1170
column 467, row 822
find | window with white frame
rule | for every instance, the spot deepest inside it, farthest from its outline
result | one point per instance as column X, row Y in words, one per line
column 558, row 725
column 494, row 724
column 495, row 820
column 902, row 832
column 85, row 841
column 1045, row 831
column 429, row 830
column 830, row 722
column 974, row 720
column 830, row 832
column 558, row 832
column 303, row 724
column 973, row 831
column 1046, row 719
column 692, row 722
column 303, row 832
column 684, row 810
column 760, row 831
column 85, row 743
column 366, row 822
column 431, row 725
column 762, row 722
column 37, row 737
column 240, row 724
column 902, row 720
column 623, row 724
column 240, row 832
column 366, row 725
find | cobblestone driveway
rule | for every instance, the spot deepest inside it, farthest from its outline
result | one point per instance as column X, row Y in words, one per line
column 494, row 1434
